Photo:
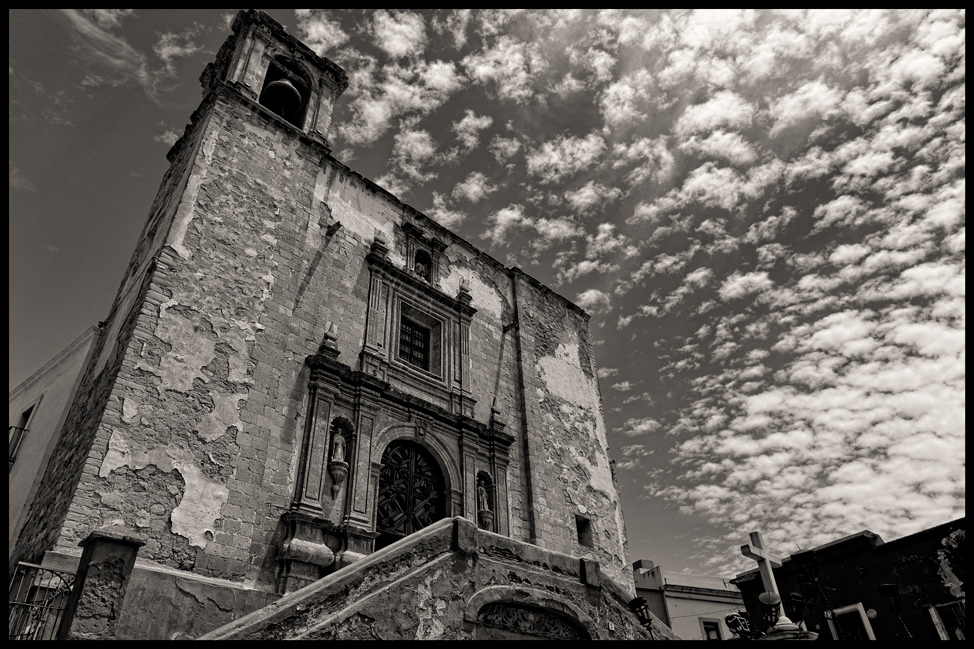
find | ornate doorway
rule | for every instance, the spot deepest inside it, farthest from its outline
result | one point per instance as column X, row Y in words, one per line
column 412, row 493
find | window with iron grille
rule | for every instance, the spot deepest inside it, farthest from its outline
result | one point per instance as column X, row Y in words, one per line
column 414, row 343
column 15, row 437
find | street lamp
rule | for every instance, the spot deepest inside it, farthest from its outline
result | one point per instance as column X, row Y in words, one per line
column 891, row 595
column 640, row 608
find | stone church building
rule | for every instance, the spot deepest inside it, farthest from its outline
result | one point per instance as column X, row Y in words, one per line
column 322, row 414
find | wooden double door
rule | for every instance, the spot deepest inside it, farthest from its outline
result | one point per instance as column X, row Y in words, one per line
column 412, row 492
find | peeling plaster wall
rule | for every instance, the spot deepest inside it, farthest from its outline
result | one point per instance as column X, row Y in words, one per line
column 569, row 454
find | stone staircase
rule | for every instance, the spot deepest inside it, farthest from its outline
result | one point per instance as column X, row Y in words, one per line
column 450, row 581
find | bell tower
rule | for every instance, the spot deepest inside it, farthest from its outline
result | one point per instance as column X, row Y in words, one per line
column 281, row 74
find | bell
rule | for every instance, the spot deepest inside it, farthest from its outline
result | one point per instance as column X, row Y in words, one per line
column 283, row 98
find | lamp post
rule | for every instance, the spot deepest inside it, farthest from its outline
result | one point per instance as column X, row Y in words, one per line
column 640, row 608
column 891, row 595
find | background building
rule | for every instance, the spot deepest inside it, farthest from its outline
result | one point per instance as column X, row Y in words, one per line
column 299, row 369
column 860, row 588
column 37, row 410
column 693, row 606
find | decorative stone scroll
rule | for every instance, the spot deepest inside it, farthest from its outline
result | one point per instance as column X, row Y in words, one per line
column 527, row 622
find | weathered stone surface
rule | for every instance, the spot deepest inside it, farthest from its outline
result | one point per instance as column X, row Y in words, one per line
column 94, row 608
column 429, row 586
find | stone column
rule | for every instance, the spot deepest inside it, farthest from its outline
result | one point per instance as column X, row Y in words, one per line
column 95, row 605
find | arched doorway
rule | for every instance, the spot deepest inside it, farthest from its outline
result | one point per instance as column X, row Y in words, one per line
column 412, row 493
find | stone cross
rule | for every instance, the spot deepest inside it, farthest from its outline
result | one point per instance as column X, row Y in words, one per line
column 766, row 561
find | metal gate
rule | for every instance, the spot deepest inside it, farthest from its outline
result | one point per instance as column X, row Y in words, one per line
column 37, row 597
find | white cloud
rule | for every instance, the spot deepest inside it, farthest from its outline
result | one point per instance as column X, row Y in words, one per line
column 592, row 195
column 173, row 46
column 739, row 285
column 508, row 67
column 725, row 110
column 635, row 427
column 108, row 18
column 722, row 145
column 814, row 100
column 108, row 59
column 593, row 300
column 504, row 149
column 564, row 156
column 504, row 220
column 622, row 102
column 474, row 188
column 468, row 129
column 412, row 150
column 399, row 33
column 18, row 181
column 444, row 215
column 318, row 31
column 167, row 137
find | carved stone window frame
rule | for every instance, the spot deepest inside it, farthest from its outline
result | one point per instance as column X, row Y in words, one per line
column 440, row 342
column 394, row 290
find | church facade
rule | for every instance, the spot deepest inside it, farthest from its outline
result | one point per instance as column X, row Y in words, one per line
column 300, row 370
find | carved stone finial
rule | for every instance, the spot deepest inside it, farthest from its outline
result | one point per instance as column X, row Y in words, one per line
column 379, row 247
column 463, row 295
column 495, row 418
column 329, row 345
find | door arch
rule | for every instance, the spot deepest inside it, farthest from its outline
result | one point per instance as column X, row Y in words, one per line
column 412, row 492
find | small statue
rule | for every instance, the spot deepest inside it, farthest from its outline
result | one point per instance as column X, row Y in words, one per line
column 338, row 448
column 483, row 504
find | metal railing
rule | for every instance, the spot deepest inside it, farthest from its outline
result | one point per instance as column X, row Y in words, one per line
column 37, row 597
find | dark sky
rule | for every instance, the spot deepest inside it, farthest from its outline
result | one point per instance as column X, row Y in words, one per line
column 764, row 213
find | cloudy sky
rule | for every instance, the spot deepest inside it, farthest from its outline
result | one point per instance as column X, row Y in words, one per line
column 762, row 211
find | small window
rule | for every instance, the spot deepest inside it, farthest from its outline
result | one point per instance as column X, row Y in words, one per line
column 950, row 620
column 15, row 437
column 850, row 623
column 424, row 265
column 711, row 630
column 583, row 527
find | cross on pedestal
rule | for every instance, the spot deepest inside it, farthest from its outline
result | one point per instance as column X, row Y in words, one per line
column 766, row 561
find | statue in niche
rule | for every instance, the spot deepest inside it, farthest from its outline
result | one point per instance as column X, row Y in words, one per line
column 483, row 504
column 338, row 448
